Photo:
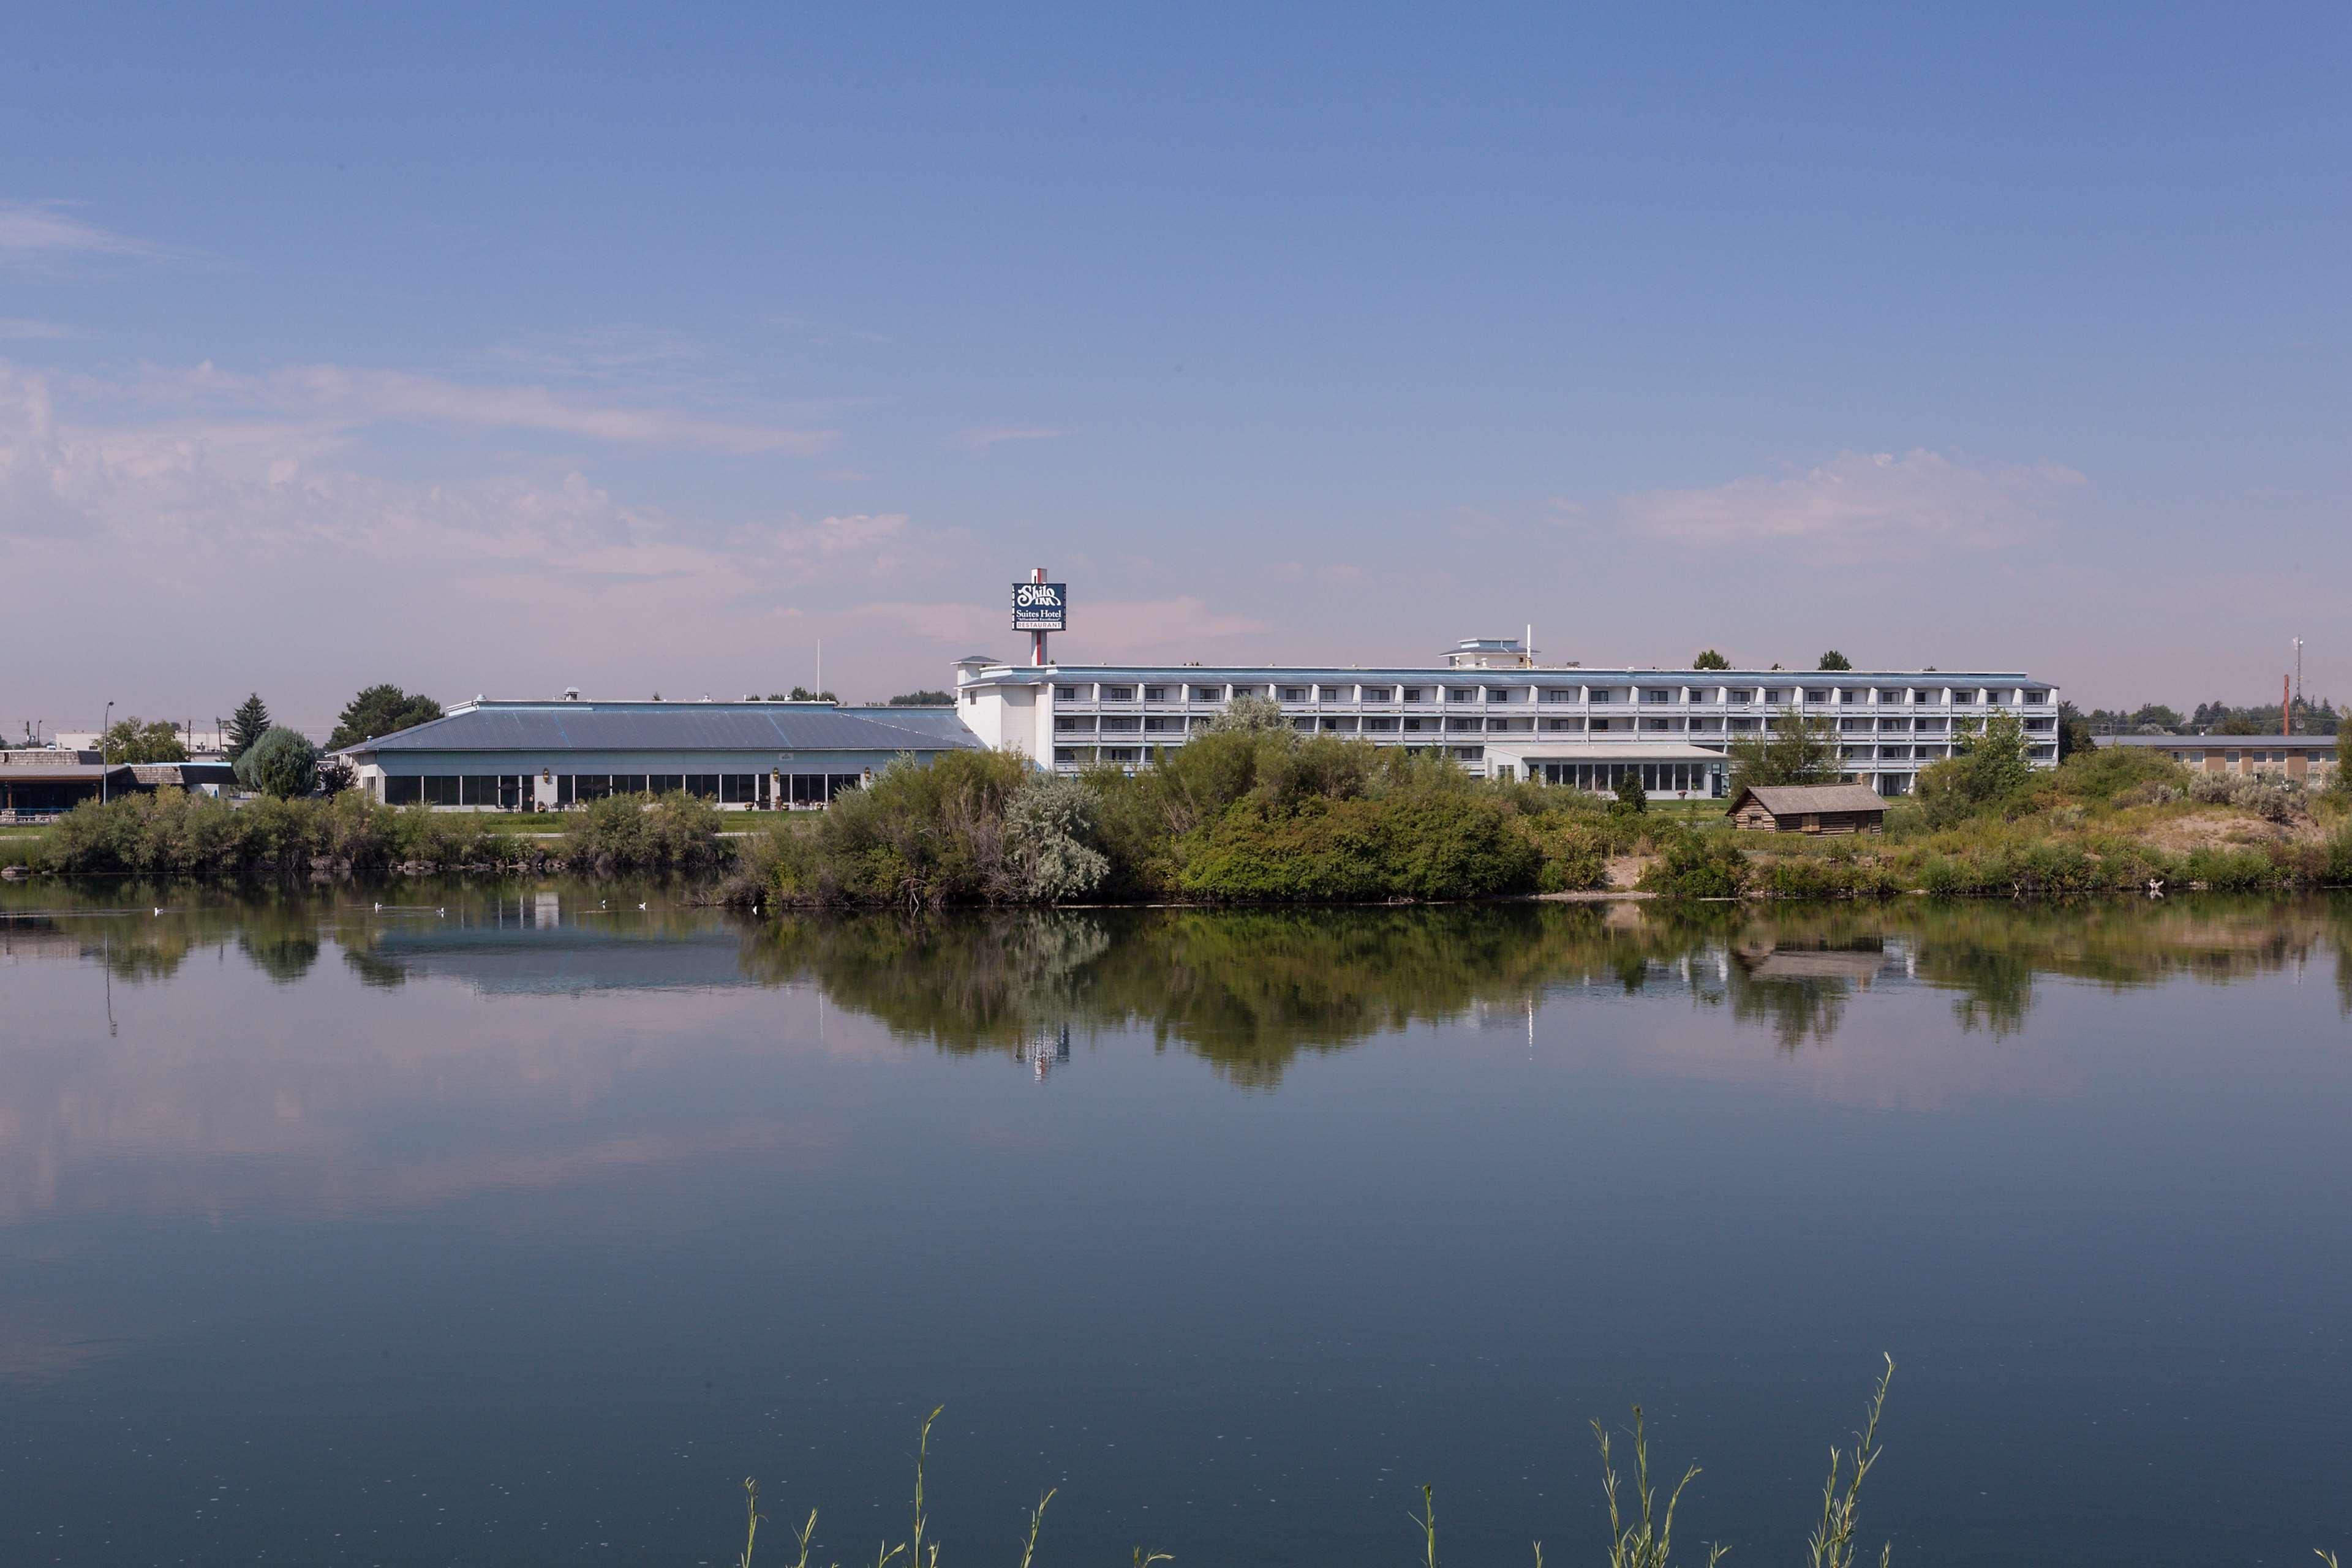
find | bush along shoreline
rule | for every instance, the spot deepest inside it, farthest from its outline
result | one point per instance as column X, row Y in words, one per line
column 1251, row 812
column 173, row 836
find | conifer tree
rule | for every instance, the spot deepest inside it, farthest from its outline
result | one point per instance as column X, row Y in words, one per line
column 247, row 725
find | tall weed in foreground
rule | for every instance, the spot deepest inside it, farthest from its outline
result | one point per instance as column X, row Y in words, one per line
column 1641, row 1522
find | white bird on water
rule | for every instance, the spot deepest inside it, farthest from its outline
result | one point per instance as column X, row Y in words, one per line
column 641, row 906
column 159, row 912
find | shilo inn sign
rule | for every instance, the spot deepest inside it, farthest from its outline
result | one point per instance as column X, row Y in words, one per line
column 1040, row 607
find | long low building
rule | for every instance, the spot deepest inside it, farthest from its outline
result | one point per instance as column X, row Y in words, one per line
column 1492, row 709
column 490, row 755
column 2310, row 758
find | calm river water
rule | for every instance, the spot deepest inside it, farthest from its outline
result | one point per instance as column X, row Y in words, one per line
column 503, row 1225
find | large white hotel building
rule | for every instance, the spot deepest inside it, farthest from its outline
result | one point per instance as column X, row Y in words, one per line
column 1492, row 709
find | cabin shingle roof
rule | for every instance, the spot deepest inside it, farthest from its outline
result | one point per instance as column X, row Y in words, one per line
column 1806, row 800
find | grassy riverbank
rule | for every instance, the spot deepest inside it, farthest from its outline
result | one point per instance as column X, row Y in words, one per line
column 173, row 836
column 1268, row 816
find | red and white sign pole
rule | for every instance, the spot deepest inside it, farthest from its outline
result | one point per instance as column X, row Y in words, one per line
column 1037, row 639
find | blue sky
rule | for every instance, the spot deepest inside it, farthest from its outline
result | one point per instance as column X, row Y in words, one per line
column 640, row 350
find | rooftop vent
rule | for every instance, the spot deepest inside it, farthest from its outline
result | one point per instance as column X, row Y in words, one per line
column 571, row 694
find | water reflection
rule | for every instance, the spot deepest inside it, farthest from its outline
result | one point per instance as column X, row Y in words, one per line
column 375, row 1176
column 1247, row 991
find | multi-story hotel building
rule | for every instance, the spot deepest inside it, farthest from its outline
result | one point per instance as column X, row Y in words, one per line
column 1492, row 709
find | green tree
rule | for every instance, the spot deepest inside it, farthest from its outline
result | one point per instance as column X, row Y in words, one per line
column 1631, row 796
column 925, row 698
column 2074, row 732
column 136, row 739
column 1710, row 659
column 1834, row 661
column 1249, row 715
column 1988, row 769
column 1798, row 750
column 380, row 711
column 247, row 725
column 283, row 763
column 802, row 694
column 2157, row 714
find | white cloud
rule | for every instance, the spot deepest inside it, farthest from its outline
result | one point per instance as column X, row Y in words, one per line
column 1866, row 503
column 339, row 398
column 982, row 439
column 50, row 231
column 23, row 329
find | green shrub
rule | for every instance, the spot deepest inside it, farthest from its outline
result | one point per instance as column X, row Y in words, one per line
column 674, row 832
column 1696, row 866
column 283, row 764
column 2232, row 870
column 1572, row 853
column 172, row 835
column 1417, row 844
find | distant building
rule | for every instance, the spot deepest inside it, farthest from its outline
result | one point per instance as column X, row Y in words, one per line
column 37, row 783
column 1808, row 808
column 2310, row 758
column 1489, row 707
column 741, row 756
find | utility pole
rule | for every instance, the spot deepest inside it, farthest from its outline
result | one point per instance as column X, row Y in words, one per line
column 2298, row 681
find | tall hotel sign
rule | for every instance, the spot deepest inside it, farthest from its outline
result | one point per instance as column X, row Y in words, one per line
column 1040, row 607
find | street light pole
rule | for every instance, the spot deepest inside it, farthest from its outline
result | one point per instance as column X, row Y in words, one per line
column 103, row 726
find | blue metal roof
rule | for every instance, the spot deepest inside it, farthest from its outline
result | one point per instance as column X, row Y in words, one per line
column 666, row 726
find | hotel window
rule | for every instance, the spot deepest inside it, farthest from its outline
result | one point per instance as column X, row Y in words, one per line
column 1657, row 723
column 1380, row 726
column 1065, row 754
column 1121, row 726
column 1248, row 692
column 1063, row 724
column 1302, row 725
column 1118, row 693
column 2034, row 696
column 1155, row 694
column 1334, row 693
column 664, row 784
column 1743, row 724
column 1817, row 694
column 1657, row 694
column 1563, row 724
column 1415, row 694
column 1119, row 753
column 1462, row 694
column 1162, row 726
column 1596, row 694
column 1379, row 693
column 1890, row 696
column 1294, row 694
column 1849, row 694
column 1559, row 694
column 737, row 789
column 1066, row 694
column 1207, row 693
column 1739, row 694
column 1772, row 694
column 402, row 789
column 1601, row 724
column 971, row 696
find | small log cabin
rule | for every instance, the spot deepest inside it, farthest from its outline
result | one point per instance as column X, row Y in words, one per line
column 1808, row 808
